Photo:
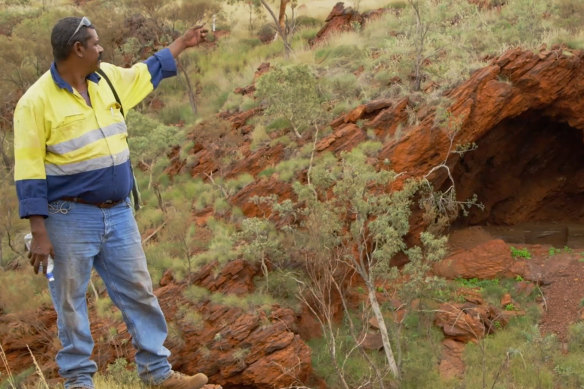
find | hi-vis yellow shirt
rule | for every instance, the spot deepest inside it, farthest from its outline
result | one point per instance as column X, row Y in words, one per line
column 65, row 148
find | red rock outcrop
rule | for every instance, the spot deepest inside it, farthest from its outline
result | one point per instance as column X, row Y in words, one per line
column 250, row 89
column 451, row 364
column 343, row 19
column 486, row 261
column 465, row 322
column 524, row 114
column 235, row 347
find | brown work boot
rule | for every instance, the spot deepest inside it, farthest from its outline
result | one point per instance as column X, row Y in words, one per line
column 178, row 380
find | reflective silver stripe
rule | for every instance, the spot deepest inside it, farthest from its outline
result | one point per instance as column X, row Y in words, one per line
column 89, row 165
column 87, row 138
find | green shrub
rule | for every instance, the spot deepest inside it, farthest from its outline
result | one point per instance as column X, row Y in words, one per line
column 576, row 337
column 307, row 21
column 520, row 253
column 343, row 84
column 196, row 293
column 288, row 170
column 259, row 137
column 397, row 4
column 569, row 371
column 335, row 53
column 516, row 357
column 176, row 112
column 267, row 172
column 278, row 124
column 123, row 373
column 266, row 32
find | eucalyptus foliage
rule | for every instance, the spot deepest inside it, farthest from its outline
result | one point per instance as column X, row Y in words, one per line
column 292, row 93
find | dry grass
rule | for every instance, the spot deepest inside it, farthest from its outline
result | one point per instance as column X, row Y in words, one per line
column 42, row 381
column 10, row 379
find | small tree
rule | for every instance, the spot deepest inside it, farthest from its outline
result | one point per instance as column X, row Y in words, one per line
column 360, row 226
column 292, row 93
column 421, row 30
column 351, row 223
column 149, row 140
column 261, row 245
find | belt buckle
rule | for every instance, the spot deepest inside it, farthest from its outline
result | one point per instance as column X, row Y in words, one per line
column 106, row 204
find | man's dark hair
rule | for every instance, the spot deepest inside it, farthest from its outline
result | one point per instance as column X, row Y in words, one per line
column 62, row 39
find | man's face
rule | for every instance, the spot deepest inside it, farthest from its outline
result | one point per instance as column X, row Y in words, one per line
column 93, row 51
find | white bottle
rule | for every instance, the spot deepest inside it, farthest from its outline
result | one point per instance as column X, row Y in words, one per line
column 50, row 265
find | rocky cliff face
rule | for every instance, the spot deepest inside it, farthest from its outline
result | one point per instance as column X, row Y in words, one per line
column 524, row 115
column 523, row 112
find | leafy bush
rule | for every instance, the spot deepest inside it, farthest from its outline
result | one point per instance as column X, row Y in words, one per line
column 516, row 357
column 576, row 337
column 520, row 253
column 266, row 33
column 307, row 21
column 569, row 371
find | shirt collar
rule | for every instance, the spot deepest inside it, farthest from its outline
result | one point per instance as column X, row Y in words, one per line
column 94, row 77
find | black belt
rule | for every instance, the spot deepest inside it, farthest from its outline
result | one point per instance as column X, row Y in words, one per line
column 105, row 204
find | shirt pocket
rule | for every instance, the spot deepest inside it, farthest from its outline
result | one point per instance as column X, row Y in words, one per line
column 71, row 122
column 68, row 127
column 114, row 112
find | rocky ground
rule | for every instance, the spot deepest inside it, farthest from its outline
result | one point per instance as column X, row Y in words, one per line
column 555, row 267
column 557, row 273
column 563, row 289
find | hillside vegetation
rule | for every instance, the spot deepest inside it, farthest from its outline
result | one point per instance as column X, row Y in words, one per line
column 325, row 248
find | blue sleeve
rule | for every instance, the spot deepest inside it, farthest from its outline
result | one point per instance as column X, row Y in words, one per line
column 161, row 65
column 32, row 196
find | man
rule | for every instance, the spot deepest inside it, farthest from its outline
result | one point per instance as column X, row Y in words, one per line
column 73, row 178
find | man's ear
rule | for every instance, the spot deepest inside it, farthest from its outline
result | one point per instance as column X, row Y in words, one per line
column 78, row 49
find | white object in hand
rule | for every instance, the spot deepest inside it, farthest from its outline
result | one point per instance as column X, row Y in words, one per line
column 50, row 264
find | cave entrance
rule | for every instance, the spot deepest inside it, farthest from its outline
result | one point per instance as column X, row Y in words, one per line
column 528, row 172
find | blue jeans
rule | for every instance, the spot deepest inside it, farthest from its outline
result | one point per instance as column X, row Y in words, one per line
column 84, row 237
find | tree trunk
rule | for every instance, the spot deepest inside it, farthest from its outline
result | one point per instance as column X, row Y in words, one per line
column 190, row 90
column 383, row 329
column 282, row 15
column 281, row 31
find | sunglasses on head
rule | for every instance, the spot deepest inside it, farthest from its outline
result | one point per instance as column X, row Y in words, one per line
column 84, row 22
